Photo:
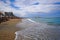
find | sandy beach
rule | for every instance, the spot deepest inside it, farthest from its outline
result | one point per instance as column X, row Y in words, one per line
column 15, row 29
column 8, row 29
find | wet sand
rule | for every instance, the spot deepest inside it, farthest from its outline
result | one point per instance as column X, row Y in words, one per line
column 8, row 29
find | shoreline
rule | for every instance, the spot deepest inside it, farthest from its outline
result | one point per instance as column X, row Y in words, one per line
column 8, row 29
column 31, row 29
column 26, row 25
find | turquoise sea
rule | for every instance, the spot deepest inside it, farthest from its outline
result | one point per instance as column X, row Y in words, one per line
column 48, row 20
column 37, row 29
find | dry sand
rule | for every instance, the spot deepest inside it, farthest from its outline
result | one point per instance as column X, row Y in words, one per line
column 8, row 29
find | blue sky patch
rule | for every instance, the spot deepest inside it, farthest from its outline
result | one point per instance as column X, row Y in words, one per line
column 4, row 1
column 12, row 0
column 57, row 3
column 13, row 6
column 37, row 3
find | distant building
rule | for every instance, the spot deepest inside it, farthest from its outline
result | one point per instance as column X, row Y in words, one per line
column 9, row 14
column 5, row 16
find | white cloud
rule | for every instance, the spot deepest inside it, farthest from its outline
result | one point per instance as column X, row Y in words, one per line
column 26, row 6
column 23, row 3
column 49, row 1
column 41, row 8
column 7, row 8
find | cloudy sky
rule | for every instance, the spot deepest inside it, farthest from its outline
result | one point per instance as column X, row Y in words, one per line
column 24, row 8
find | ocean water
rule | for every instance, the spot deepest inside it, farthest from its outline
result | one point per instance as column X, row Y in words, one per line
column 48, row 20
column 37, row 29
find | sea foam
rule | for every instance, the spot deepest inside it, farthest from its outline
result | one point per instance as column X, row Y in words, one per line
column 36, row 31
column 31, row 20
